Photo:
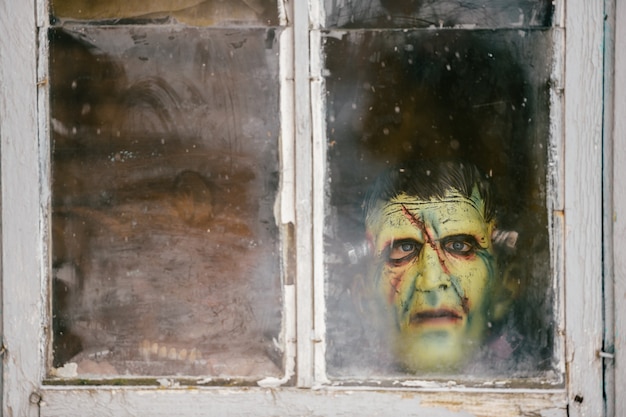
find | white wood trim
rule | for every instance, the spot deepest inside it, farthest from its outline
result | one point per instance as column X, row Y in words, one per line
column 619, row 205
column 609, row 210
column 556, row 186
column 287, row 214
column 120, row 402
column 22, row 210
column 45, row 198
column 583, row 204
column 284, row 208
column 320, row 176
column 317, row 14
column 304, row 195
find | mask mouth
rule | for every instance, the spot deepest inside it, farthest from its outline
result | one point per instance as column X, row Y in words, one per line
column 435, row 316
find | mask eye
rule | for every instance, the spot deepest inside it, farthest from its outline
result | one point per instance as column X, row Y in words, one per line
column 402, row 251
column 461, row 245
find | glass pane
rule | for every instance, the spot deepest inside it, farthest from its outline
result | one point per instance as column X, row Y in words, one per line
column 191, row 12
column 439, row 13
column 164, row 176
column 438, row 256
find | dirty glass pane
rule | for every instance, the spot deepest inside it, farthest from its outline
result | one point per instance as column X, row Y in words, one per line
column 164, row 175
column 439, row 13
column 432, row 273
column 191, row 12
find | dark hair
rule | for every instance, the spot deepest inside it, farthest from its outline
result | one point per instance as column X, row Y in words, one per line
column 429, row 179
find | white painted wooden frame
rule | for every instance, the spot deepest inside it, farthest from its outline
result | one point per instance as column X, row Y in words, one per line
column 577, row 205
column 582, row 153
column 615, row 151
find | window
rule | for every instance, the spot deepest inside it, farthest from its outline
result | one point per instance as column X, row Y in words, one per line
column 182, row 194
column 485, row 108
column 127, row 116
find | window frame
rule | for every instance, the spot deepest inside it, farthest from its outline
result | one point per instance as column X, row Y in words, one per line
column 615, row 213
column 577, row 208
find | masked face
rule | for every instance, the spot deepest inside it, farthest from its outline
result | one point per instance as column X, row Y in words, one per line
column 434, row 269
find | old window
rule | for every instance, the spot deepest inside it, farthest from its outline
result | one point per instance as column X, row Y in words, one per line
column 151, row 207
column 205, row 195
column 451, row 95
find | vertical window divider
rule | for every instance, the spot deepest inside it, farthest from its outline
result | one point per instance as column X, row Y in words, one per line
column 319, row 200
column 555, row 196
column 285, row 207
column 303, row 196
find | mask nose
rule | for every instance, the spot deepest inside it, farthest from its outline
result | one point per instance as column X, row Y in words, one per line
column 432, row 274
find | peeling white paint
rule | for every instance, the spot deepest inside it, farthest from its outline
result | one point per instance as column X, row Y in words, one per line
column 204, row 381
column 423, row 384
column 69, row 370
column 287, row 340
column 336, row 34
column 168, row 383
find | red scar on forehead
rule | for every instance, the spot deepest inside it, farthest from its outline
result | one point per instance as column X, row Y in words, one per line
column 414, row 221
column 419, row 223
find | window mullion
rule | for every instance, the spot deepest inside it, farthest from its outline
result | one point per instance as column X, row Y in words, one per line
column 319, row 202
column 303, row 195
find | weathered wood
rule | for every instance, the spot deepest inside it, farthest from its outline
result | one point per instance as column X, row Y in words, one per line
column 319, row 202
column 304, row 194
column 619, row 206
column 609, row 209
column 111, row 402
column 22, row 241
column 583, row 205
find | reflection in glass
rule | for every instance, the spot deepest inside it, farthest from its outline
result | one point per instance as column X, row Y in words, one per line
column 439, row 13
column 164, row 175
column 479, row 97
column 191, row 12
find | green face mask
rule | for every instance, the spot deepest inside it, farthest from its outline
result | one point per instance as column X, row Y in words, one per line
column 434, row 268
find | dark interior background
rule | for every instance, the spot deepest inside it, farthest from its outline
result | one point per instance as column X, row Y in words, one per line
column 481, row 96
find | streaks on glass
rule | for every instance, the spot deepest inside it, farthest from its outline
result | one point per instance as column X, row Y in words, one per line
column 439, row 13
column 475, row 96
column 164, row 167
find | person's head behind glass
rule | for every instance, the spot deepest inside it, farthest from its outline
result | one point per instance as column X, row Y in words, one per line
column 430, row 226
